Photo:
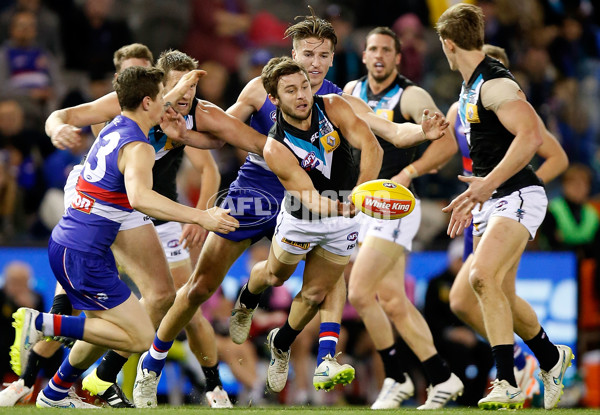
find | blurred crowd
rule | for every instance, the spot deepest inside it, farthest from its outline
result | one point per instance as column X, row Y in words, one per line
column 59, row 53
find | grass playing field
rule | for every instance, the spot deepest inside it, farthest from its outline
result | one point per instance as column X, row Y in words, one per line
column 294, row 410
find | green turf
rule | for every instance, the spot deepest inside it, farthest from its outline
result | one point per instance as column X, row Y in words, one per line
column 347, row 410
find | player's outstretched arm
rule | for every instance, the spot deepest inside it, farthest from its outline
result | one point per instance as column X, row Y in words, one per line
column 135, row 162
column 63, row 126
column 213, row 120
column 250, row 100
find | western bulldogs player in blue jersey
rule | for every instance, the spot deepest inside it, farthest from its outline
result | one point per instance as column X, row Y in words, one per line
column 462, row 298
column 505, row 200
column 116, row 179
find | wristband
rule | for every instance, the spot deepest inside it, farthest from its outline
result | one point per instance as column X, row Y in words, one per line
column 411, row 171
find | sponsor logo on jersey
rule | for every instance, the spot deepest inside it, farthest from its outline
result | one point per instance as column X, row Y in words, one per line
column 301, row 245
column 325, row 127
column 387, row 114
column 472, row 114
column 314, row 137
column 331, row 141
column 310, row 161
column 82, row 202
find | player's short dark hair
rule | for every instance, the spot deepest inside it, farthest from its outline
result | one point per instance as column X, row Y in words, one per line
column 135, row 83
column 384, row 30
column 134, row 50
column 312, row 26
column 275, row 69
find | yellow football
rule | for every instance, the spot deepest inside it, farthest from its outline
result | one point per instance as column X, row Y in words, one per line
column 383, row 199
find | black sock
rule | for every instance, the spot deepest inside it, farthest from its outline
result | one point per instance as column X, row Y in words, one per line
column 436, row 370
column 110, row 366
column 285, row 337
column 248, row 299
column 504, row 357
column 543, row 349
column 392, row 364
column 34, row 363
column 212, row 377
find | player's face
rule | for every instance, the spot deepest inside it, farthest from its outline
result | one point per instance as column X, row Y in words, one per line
column 380, row 57
column 316, row 56
column 184, row 104
column 157, row 107
column 295, row 96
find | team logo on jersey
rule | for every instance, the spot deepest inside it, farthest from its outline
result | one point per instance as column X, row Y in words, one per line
column 273, row 115
column 330, row 141
column 310, row 161
column 387, row 114
column 82, row 202
column 353, row 236
column 325, row 127
column 173, row 243
column 472, row 114
column 301, row 245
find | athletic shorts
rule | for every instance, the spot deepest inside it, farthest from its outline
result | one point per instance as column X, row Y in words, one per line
column 400, row 231
column 527, row 206
column 468, row 238
column 90, row 280
column 254, row 198
column 338, row 235
column 135, row 218
column 169, row 234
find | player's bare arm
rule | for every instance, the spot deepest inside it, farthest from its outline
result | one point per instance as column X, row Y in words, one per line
column 295, row 180
column 250, row 100
column 212, row 119
column 555, row 158
column 401, row 135
column 135, row 162
column 210, row 179
column 358, row 134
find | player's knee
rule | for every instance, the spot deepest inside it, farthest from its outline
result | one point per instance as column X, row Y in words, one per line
column 358, row 300
column 313, row 297
column 141, row 339
column 394, row 307
column 162, row 301
column 479, row 279
column 200, row 291
column 457, row 303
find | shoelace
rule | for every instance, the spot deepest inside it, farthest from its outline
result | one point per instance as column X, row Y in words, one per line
column 334, row 358
column 73, row 395
column 148, row 384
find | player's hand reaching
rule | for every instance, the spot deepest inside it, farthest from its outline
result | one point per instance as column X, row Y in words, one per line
column 217, row 219
column 346, row 209
column 173, row 125
column 192, row 236
column 186, row 82
column 66, row 136
column 433, row 125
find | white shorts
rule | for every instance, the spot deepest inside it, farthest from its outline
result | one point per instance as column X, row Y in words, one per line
column 527, row 206
column 135, row 218
column 400, row 231
column 338, row 235
column 169, row 234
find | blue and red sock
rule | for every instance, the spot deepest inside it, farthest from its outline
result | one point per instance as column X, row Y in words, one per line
column 63, row 379
column 57, row 325
column 157, row 355
column 329, row 333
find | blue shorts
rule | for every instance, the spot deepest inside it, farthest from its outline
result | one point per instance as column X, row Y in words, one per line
column 468, row 250
column 255, row 199
column 91, row 281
